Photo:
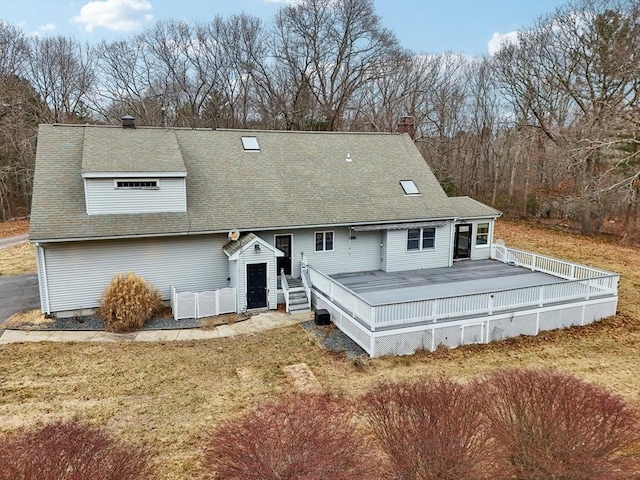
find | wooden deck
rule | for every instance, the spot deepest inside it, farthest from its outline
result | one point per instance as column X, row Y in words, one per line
column 464, row 278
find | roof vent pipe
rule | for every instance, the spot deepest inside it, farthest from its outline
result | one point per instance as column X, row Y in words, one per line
column 128, row 122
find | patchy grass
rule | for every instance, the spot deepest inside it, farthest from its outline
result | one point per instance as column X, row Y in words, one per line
column 13, row 227
column 170, row 394
column 17, row 260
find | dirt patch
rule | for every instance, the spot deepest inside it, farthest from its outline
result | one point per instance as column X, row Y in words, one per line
column 210, row 323
column 303, row 378
column 29, row 320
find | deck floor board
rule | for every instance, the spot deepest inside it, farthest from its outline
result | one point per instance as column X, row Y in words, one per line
column 464, row 278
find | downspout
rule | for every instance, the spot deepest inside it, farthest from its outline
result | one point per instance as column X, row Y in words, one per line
column 44, row 304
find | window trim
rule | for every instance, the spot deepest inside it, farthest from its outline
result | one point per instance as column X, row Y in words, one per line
column 324, row 241
column 421, row 238
column 478, row 234
column 117, row 181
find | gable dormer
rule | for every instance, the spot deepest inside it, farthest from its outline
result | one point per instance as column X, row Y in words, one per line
column 128, row 170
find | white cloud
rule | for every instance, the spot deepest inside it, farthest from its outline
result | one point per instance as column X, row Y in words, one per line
column 49, row 27
column 118, row 15
column 498, row 40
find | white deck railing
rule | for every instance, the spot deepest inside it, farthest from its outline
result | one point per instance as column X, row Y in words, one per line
column 544, row 264
column 202, row 304
column 586, row 282
column 284, row 285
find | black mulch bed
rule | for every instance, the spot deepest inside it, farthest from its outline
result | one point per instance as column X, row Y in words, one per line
column 331, row 338
column 91, row 323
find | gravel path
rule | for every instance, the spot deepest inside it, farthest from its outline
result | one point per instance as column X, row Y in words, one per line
column 91, row 323
column 331, row 338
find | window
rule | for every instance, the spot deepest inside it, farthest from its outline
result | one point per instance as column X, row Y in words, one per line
column 324, row 241
column 482, row 234
column 137, row 184
column 250, row 144
column 421, row 238
column 409, row 187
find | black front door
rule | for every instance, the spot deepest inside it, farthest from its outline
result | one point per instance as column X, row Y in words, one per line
column 462, row 247
column 257, row 285
column 283, row 243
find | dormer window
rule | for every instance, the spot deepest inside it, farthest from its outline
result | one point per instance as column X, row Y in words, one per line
column 250, row 144
column 409, row 187
column 137, row 184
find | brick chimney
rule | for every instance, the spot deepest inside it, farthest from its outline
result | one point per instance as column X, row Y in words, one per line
column 405, row 125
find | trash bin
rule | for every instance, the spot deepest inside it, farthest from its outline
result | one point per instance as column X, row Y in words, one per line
column 322, row 317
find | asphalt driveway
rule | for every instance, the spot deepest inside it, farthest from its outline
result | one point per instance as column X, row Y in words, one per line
column 18, row 293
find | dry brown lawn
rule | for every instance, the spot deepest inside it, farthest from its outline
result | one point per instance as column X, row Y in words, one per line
column 170, row 394
column 19, row 259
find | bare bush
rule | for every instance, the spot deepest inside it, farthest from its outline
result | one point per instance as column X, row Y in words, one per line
column 128, row 302
column 71, row 451
column 429, row 429
column 296, row 437
column 553, row 425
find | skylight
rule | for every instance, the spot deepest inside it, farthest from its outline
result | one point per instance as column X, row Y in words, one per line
column 409, row 187
column 250, row 144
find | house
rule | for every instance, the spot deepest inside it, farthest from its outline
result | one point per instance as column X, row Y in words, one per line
column 255, row 218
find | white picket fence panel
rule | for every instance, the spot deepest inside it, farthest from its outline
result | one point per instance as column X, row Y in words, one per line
column 202, row 304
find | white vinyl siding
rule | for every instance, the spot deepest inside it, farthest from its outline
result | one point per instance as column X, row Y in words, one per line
column 480, row 252
column 398, row 257
column 103, row 197
column 358, row 254
column 78, row 272
column 250, row 256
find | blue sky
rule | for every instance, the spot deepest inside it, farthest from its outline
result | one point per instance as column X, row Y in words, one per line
column 424, row 26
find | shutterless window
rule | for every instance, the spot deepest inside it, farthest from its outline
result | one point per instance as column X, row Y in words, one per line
column 409, row 187
column 142, row 184
column 482, row 234
column 324, row 241
column 250, row 144
column 421, row 238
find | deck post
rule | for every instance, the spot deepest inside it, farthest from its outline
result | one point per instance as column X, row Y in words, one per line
column 435, row 310
column 491, row 304
column 541, row 299
column 534, row 262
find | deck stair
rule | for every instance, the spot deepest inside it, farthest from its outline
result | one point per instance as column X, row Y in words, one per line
column 298, row 301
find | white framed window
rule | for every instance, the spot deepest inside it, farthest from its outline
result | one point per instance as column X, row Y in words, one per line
column 482, row 234
column 324, row 241
column 136, row 184
column 421, row 239
column 409, row 187
column 250, row 144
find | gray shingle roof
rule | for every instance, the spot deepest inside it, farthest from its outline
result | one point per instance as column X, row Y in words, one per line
column 467, row 207
column 296, row 179
column 115, row 149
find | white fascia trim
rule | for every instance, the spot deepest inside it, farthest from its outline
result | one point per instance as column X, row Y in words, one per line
column 133, row 174
column 236, row 255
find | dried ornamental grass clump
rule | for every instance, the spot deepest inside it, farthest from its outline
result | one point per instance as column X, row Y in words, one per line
column 128, row 302
column 72, row 451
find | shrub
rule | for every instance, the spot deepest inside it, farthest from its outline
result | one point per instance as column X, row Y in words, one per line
column 128, row 302
column 553, row 425
column 429, row 429
column 71, row 451
column 296, row 437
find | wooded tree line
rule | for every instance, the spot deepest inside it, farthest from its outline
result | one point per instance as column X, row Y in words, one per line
column 548, row 126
